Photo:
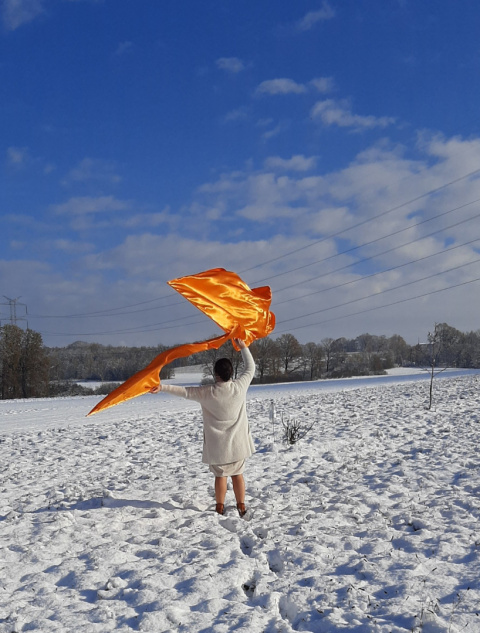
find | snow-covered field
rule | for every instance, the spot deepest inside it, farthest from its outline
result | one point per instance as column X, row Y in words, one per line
column 368, row 524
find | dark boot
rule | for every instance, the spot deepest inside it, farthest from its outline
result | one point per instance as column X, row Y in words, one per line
column 242, row 510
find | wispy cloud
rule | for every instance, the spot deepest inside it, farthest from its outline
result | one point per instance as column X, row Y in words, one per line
column 18, row 12
column 92, row 170
column 323, row 84
column 331, row 112
column 17, row 156
column 122, row 48
column 295, row 163
column 285, row 85
column 313, row 17
column 86, row 205
column 20, row 159
column 272, row 132
column 239, row 114
column 281, row 86
column 230, row 64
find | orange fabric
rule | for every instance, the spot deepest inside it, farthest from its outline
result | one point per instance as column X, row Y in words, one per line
column 227, row 300
column 241, row 312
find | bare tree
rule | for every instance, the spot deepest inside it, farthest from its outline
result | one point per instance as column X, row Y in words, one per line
column 398, row 348
column 435, row 347
column 24, row 363
column 210, row 357
column 334, row 352
column 264, row 352
column 313, row 357
column 327, row 346
column 290, row 351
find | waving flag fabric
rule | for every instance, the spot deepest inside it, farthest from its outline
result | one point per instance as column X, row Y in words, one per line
column 228, row 301
column 220, row 294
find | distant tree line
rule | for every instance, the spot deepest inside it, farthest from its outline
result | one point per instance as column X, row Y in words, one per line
column 28, row 369
column 285, row 359
column 105, row 363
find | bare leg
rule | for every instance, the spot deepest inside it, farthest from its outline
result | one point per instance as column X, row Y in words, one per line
column 220, row 489
column 239, row 488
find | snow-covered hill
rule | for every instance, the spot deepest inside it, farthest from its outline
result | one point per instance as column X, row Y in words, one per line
column 368, row 524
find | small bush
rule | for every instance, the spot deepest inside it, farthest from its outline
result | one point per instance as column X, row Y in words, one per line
column 294, row 430
column 67, row 389
column 105, row 388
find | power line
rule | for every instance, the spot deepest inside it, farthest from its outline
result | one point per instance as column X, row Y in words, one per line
column 115, row 311
column 13, row 303
column 387, row 305
column 379, row 239
column 380, row 272
column 103, row 313
column 153, row 327
column 381, row 292
column 366, row 221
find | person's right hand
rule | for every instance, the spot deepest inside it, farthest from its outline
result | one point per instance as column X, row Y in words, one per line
column 240, row 343
column 156, row 389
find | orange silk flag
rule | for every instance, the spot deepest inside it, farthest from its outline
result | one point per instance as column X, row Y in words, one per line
column 241, row 312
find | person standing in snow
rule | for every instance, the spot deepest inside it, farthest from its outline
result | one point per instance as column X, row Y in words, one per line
column 227, row 441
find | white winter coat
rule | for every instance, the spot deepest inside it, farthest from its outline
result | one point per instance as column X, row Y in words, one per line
column 226, row 432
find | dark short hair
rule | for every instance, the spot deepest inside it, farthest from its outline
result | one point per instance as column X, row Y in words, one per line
column 223, row 369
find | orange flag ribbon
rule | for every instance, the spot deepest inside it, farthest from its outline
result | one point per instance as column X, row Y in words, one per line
column 224, row 297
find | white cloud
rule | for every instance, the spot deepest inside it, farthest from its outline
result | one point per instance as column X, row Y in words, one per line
column 295, row 163
column 293, row 207
column 328, row 220
column 20, row 158
column 240, row 114
column 272, row 133
column 280, row 86
column 331, row 112
column 230, row 64
column 18, row 245
column 285, row 85
column 91, row 170
column 86, row 205
column 323, row 84
column 148, row 220
column 313, row 17
column 123, row 47
column 290, row 197
column 17, row 156
column 18, row 12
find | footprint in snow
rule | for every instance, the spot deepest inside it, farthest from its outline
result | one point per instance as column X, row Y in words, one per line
column 275, row 561
column 249, row 587
column 229, row 525
column 146, row 554
column 246, row 545
column 261, row 532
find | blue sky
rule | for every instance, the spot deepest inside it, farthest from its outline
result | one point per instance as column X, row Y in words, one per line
column 328, row 149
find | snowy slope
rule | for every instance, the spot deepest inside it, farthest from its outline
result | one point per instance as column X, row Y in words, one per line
column 369, row 524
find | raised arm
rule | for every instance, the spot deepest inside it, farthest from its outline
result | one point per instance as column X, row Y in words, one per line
column 175, row 390
column 248, row 363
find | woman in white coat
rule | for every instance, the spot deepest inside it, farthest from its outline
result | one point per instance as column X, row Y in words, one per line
column 227, row 439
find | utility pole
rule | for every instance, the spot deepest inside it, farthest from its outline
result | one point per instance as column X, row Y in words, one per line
column 12, row 303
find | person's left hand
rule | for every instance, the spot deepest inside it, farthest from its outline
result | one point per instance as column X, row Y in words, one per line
column 156, row 389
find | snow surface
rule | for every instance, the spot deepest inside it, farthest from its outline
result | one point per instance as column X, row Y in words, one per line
column 368, row 524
